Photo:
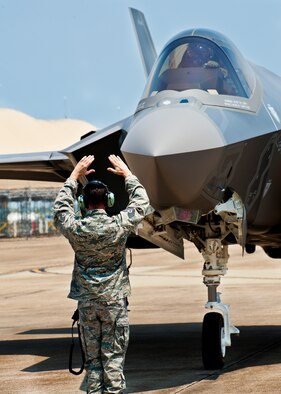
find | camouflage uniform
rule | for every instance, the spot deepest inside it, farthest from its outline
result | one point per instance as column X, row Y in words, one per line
column 100, row 280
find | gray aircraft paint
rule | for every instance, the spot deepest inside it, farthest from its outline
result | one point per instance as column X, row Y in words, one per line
column 188, row 148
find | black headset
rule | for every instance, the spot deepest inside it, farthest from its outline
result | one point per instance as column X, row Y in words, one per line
column 83, row 199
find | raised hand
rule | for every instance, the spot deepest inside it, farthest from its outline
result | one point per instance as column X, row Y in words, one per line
column 120, row 168
column 81, row 168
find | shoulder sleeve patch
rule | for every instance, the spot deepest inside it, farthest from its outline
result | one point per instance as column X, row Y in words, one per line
column 130, row 212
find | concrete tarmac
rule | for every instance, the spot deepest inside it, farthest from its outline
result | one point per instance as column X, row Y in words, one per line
column 166, row 313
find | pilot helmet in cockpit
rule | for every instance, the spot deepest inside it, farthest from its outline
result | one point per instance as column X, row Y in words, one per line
column 195, row 55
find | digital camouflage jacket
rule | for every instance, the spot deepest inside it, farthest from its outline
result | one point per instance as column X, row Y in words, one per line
column 98, row 241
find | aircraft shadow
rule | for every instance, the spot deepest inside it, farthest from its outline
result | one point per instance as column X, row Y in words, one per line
column 160, row 356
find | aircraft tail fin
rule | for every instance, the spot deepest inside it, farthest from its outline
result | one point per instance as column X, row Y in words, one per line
column 146, row 45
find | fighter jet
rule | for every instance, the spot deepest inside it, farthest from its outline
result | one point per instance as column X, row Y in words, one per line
column 205, row 142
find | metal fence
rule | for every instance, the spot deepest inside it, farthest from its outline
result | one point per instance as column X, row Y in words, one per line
column 26, row 212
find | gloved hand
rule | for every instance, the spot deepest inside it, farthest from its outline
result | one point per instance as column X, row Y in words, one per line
column 224, row 72
column 211, row 64
column 214, row 64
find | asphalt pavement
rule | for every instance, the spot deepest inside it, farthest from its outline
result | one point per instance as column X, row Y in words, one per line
column 166, row 313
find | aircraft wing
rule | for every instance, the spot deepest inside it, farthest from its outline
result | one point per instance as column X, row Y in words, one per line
column 57, row 166
column 36, row 166
column 101, row 144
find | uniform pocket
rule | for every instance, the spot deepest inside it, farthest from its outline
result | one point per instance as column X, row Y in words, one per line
column 121, row 337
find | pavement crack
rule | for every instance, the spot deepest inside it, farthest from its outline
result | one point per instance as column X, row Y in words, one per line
column 253, row 354
column 229, row 366
column 189, row 385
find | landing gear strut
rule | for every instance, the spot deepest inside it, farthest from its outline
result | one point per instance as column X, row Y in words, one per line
column 216, row 329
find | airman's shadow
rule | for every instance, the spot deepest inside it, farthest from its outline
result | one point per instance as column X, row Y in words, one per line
column 160, row 356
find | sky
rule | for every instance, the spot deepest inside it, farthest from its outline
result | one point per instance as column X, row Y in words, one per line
column 79, row 58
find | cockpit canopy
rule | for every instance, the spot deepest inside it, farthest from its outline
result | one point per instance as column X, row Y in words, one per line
column 204, row 60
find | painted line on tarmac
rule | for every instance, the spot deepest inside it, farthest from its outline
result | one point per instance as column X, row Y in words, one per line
column 55, row 270
column 186, row 275
column 7, row 297
column 52, row 270
column 38, row 270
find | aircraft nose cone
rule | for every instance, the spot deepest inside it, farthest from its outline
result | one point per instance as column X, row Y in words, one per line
column 175, row 153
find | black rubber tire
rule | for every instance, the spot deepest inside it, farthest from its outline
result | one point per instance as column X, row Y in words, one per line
column 211, row 341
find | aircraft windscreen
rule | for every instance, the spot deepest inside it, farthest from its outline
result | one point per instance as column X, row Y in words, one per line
column 198, row 63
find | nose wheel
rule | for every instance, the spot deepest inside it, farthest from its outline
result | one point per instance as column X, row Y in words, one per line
column 213, row 344
column 216, row 328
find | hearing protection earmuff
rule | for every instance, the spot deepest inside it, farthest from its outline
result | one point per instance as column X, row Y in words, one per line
column 83, row 199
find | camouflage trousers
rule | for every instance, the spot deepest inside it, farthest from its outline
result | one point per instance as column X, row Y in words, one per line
column 105, row 337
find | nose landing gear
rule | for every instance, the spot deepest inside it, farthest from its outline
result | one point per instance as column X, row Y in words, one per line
column 216, row 328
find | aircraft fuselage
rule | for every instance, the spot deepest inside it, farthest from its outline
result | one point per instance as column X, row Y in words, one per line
column 192, row 146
